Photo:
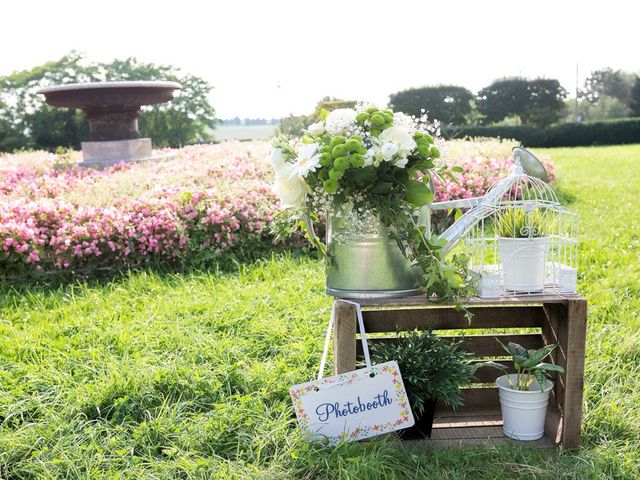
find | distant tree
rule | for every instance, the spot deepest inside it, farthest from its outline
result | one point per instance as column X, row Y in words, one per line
column 634, row 104
column 535, row 102
column 26, row 121
column 448, row 103
column 329, row 104
column 608, row 82
column 545, row 104
column 294, row 125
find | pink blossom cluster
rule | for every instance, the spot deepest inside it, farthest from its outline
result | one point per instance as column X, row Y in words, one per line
column 210, row 197
column 479, row 171
column 208, row 200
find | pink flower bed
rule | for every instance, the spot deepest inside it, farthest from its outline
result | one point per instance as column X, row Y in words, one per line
column 483, row 163
column 209, row 200
column 211, row 197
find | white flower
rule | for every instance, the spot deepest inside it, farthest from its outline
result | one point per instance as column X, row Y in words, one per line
column 308, row 160
column 316, row 129
column 339, row 120
column 291, row 190
column 388, row 150
column 400, row 137
column 404, row 121
column 280, row 165
column 369, row 157
column 402, row 162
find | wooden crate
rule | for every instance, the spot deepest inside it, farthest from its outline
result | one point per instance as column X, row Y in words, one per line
column 547, row 319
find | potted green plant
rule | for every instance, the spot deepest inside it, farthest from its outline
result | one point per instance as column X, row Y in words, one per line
column 522, row 243
column 433, row 369
column 524, row 395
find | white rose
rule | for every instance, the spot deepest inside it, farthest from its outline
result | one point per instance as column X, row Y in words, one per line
column 388, row 150
column 400, row 137
column 338, row 120
column 402, row 162
column 280, row 165
column 369, row 157
column 316, row 129
column 290, row 190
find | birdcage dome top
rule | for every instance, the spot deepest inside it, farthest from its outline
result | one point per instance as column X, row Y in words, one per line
column 519, row 190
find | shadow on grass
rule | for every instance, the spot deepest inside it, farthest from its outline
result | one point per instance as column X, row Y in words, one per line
column 564, row 197
column 231, row 263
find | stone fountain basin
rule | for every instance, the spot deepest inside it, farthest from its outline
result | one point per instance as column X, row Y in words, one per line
column 104, row 95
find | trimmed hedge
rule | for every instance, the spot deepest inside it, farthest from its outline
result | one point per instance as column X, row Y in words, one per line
column 611, row 132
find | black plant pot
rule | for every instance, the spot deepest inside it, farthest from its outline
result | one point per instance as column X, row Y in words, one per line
column 424, row 423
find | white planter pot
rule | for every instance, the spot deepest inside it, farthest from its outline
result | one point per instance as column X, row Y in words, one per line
column 523, row 412
column 523, row 262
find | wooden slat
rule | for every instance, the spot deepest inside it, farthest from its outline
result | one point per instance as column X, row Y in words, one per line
column 421, row 445
column 475, row 398
column 448, row 318
column 467, row 433
column 553, row 422
column 344, row 338
column 478, row 345
column 422, row 300
column 550, row 332
column 490, row 419
column 573, row 337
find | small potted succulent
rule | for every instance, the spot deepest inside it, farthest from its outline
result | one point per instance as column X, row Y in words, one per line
column 433, row 369
column 522, row 243
column 524, row 395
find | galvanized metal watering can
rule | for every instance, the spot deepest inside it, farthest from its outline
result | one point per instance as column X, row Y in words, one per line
column 366, row 263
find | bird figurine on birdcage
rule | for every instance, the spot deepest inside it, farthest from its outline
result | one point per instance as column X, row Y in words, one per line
column 519, row 239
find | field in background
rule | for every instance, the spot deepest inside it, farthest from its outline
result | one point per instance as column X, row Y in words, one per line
column 244, row 132
column 187, row 376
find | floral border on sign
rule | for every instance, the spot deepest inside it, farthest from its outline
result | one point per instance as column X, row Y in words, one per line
column 299, row 391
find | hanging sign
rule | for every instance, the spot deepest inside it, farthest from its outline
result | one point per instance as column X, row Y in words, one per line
column 354, row 405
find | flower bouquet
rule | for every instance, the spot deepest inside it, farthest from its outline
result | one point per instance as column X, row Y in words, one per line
column 367, row 172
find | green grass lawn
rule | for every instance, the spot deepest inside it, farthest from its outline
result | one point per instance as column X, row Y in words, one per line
column 187, row 376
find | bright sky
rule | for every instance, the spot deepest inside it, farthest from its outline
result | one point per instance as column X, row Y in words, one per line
column 341, row 48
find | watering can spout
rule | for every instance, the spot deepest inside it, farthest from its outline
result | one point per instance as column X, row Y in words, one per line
column 526, row 162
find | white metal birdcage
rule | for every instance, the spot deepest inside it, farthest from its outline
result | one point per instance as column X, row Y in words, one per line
column 520, row 240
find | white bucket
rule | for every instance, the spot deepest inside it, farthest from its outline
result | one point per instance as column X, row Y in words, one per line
column 523, row 412
column 523, row 262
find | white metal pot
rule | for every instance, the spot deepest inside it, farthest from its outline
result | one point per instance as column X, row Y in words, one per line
column 523, row 263
column 523, row 412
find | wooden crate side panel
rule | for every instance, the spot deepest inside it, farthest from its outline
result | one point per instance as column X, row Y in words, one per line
column 448, row 318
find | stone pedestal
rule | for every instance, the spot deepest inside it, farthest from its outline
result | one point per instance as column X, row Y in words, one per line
column 114, row 151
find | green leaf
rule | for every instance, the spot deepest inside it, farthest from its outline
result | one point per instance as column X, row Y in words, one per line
column 382, row 187
column 534, row 356
column 418, row 193
column 364, row 176
column 518, row 352
column 542, row 380
column 324, row 113
column 549, row 367
column 493, row 364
